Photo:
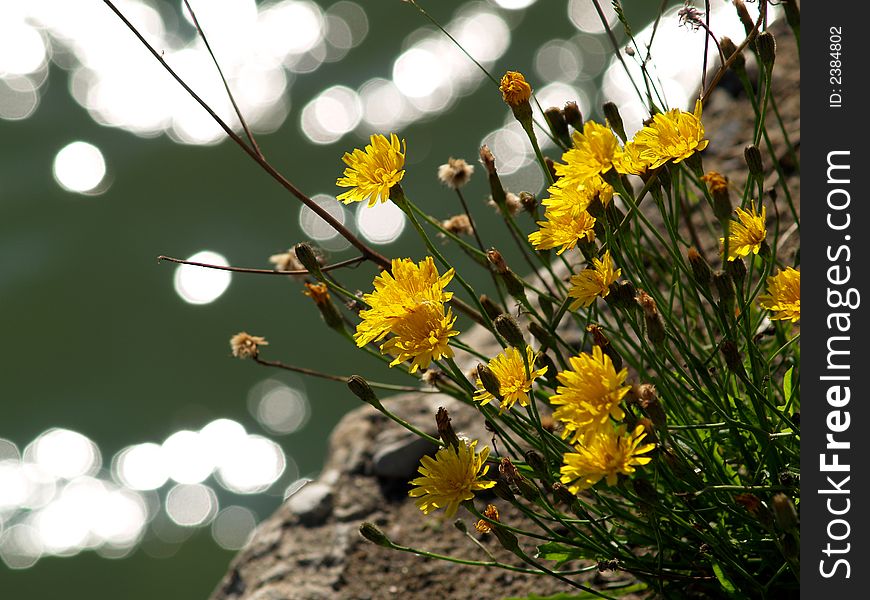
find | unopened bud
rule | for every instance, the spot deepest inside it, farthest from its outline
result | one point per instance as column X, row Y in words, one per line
column 614, row 119
column 700, row 268
column 648, row 400
column 445, row 429
column 785, row 512
column 529, row 202
column 497, row 261
column 491, row 309
column 655, row 326
column 510, row 331
column 573, row 116
column 502, row 490
column 600, row 340
column 508, row 470
column 729, row 50
column 460, row 525
column 528, row 490
column 489, row 380
column 306, row 255
column 718, row 186
column 765, row 43
column 362, row 390
column 558, row 125
column 725, row 288
column 537, row 463
column 736, row 268
column 541, row 334
column 745, row 18
column 731, row 354
column 506, row 538
column 487, row 159
column 370, row 532
column 621, row 295
column 752, row 155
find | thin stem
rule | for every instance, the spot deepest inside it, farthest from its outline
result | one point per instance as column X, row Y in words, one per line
column 351, row 262
column 340, row 378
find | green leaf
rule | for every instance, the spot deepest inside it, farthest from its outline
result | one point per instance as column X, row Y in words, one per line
column 559, row 552
column 726, row 583
column 786, row 383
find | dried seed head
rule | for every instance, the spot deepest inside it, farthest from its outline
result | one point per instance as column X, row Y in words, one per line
column 487, row 159
column 455, row 173
column 508, row 471
column 497, row 261
column 528, row 202
column 458, row 225
column 245, row 345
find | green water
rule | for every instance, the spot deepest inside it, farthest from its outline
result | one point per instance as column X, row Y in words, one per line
column 95, row 338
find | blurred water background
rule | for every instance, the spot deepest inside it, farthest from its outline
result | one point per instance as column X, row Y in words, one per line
column 136, row 455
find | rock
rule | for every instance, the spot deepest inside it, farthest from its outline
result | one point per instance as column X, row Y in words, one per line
column 401, row 458
column 312, row 504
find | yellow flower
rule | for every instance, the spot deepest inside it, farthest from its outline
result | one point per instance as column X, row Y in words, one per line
column 514, row 385
column 629, row 161
column 565, row 195
column 593, row 154
column 675, row 135
column 747, row 234
column 716, row 182
column 397, row 293
column 563, row 228
column 607, row 453
column 514, row 88
column 783, row 296
column 371, row 173
column 318, row 292
column 590, row 393
column 422, row 335
column 450, row 478
column 589, row 283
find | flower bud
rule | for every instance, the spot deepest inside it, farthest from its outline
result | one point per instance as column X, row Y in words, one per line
column 731, row 354
column 489, row 380
column 765, row 43
column 506, row 539
column 460, row 525
column 529, row 202
column 621, row 295
column 502, row 490
column 785, row 512
column 541, row 334
column 649, row 401
column 600, row 340
column 700, row 268
column 655, row 326
column 319, row 292
column 507, row 327
column 725, row 288
column 736, row 268
column 508, row 470
column 305, row 254
column 487, row 159
column 370, row 532
column 537, row 463
column 729, row 50
column 718, row 186
column 558, row 125
column 752, row 155
column 362, row 390
column 573, row 116
column 491, row 309
column 445, row 429
column 614, row 119
column 528, row 490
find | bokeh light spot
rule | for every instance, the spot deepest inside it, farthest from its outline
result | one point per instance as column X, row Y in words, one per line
column 201, row 285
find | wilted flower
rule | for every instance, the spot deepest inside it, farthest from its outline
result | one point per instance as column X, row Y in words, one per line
column 245, row 345
column 455, row 173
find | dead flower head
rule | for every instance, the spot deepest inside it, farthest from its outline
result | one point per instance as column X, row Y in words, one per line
column 455, row 173
column 459, row 224
column 245, row 345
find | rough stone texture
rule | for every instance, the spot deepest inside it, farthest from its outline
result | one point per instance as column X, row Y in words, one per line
column 310, row 549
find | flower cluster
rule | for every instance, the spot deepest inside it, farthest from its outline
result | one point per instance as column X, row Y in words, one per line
column 409, row 303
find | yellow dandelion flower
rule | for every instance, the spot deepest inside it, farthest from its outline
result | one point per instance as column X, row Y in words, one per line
column 514, row 88
column 675, row 135
column 371, row 173
column 747, row 233
column 397, row 292
column 629, row 161
column 593, row 154
column 421, row 336
column 592, row 282
column 783, row 297
column 606, row 454
column 589, row 395
column 567, row 196
column 514, row 384
column 563, row 228
column 450, row 478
